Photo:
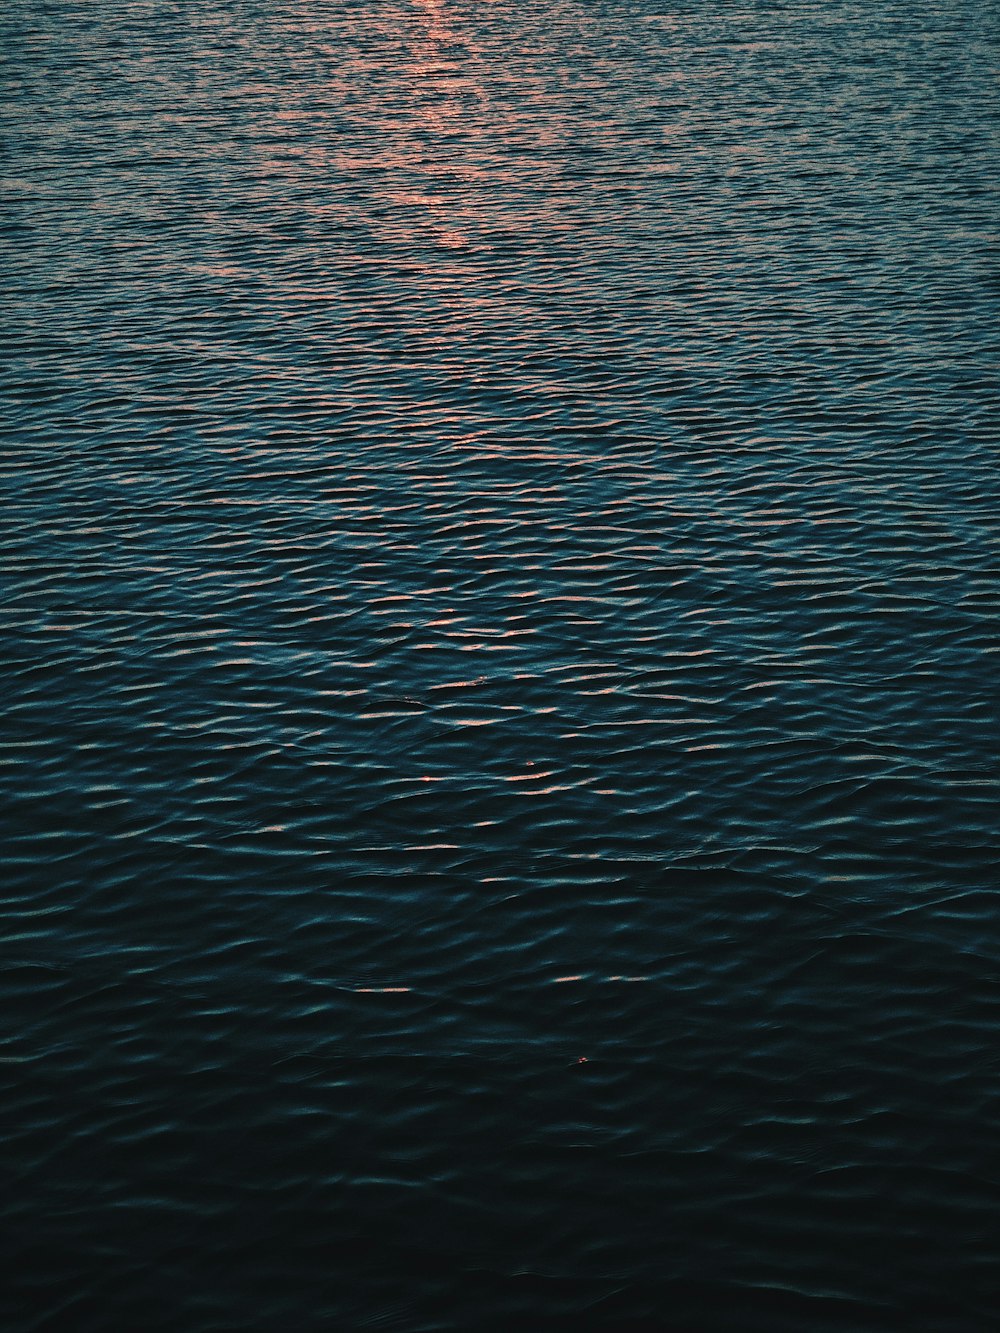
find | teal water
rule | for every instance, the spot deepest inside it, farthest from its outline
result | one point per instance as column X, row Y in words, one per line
column 500, row 598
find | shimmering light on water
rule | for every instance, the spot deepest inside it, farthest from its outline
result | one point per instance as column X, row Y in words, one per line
column 499, row 768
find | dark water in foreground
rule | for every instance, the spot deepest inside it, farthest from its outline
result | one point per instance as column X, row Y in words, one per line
column 499, row 772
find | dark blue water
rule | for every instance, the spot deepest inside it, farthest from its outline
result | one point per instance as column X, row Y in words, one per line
column 499, row 771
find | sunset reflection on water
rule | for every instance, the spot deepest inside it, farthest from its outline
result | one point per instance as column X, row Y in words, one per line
column 499, row 540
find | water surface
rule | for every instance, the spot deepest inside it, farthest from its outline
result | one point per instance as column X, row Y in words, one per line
column 500, row 594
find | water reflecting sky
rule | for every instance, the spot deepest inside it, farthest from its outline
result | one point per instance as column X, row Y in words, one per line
column 499, row 763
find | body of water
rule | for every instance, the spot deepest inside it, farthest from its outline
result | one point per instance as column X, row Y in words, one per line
column 500, row 605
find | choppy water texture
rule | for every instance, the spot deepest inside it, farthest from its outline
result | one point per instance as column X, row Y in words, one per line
column 499, row 619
